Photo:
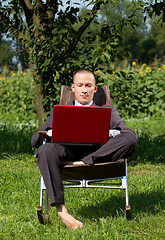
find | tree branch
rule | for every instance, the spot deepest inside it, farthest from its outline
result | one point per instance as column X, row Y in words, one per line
column 27, row 7
column 38, row 3
column 81, row 30
column 28, row 4
column 51, row 8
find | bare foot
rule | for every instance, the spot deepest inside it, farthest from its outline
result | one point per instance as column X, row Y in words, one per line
column 78, row 163
column 66, row 218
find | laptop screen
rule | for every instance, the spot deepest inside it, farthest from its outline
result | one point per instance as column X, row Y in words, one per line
column 80, row 124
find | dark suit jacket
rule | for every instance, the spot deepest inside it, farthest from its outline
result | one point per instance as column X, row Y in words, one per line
column 116, row 123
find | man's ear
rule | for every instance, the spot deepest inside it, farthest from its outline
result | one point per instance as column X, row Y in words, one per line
column 72, row 87
column 96, row 87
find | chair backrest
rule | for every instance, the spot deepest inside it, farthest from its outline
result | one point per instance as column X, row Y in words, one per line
column 101, row 97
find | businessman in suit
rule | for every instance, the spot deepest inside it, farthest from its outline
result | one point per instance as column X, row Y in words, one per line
column 51, row 157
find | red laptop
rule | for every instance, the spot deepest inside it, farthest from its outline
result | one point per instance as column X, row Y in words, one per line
column 80, row 124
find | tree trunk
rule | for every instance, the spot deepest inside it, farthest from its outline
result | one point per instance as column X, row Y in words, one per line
column 41, row 114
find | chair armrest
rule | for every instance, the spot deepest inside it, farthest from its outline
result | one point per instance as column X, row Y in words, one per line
column 42, row 136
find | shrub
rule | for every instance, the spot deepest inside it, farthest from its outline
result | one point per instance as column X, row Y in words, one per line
column 138, row 91
column 17, row 94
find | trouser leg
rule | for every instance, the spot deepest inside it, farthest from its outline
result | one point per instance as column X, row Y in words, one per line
column 121, row 146
column 49, row 157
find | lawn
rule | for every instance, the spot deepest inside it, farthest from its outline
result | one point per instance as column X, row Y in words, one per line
column 101, row 211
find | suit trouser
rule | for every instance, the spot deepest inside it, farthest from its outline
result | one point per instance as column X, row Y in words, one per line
column 50, row 157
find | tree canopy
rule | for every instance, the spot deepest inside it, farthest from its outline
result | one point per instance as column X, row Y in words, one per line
column 58, row 39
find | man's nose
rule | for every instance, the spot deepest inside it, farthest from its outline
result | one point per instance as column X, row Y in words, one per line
column 84, row 90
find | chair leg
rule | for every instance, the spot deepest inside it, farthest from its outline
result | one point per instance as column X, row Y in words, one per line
column 128, row 212
column 39, row 214
column 43, row 213
column 47, row 207
column 127, row 207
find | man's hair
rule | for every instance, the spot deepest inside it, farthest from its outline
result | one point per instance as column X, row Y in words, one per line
column 83, row 70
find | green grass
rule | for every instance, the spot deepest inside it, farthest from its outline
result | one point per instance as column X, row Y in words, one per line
column 151, row 140
column 101, row 211
column 15, row 139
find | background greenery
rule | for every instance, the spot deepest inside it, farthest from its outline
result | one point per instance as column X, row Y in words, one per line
column 144, row 42
column 17, row 97
column 139, row 90
column 136, row 90
column 62, row 36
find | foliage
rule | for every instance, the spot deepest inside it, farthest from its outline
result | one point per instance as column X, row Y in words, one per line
column 144, row 41
column 58, row 42
column 53, row 37
column 17, row 97
column 59, row 47
column 6, row 51
column 6, row 54
column 156, row 8
column 158, row 35
column 137, row 91
column 134, row 33
column 92, row 51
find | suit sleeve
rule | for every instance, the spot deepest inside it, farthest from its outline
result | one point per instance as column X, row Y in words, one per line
column 48, row 125
column 116, row 122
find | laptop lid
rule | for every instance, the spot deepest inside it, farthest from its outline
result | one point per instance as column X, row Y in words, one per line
column 80, row 124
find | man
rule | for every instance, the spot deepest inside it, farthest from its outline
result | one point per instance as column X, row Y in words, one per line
column 52, row 156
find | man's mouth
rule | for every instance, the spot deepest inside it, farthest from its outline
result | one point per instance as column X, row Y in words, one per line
column 84, row 96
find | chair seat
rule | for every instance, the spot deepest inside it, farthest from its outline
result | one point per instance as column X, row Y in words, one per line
column 97, row 171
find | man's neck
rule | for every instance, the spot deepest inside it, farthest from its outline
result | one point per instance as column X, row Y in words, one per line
column 76, row 103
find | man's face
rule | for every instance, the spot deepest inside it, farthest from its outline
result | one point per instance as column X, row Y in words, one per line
column 84, row 87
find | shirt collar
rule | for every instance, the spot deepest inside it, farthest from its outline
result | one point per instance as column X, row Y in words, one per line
column 76, row 103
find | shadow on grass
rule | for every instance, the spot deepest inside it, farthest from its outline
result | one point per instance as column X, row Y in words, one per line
column 149, row 150
column 140, row 203
column 15, row 139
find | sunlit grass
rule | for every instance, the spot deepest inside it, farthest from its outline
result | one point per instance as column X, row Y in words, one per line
column 101, row 211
